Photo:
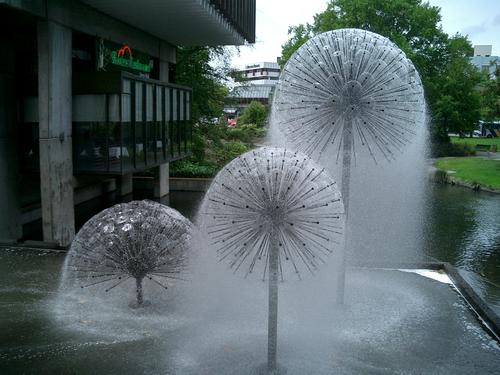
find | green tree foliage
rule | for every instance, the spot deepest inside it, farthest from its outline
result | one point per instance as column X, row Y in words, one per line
column 458, row 103
column 194, row 69
column 205, row 70
column 491, row 97
column 413, row 25
column 255, row 113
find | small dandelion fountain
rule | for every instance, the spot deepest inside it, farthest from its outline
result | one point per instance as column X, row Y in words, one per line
column 273, row 212
column 348, row 92
column 141, row 240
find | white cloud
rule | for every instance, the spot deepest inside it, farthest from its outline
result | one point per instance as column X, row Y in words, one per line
column 273, row 19
column 479, row 19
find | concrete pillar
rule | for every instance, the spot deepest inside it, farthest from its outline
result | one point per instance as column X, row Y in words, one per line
column 161, row 182
column 125, row 188
column 167, row 55
column 10, row 214
column 54, row 112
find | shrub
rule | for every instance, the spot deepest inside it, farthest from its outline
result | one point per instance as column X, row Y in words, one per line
column 198, row 147
column 440, row 176
column 255, row 113
column 187, row 168
column 229, row 151
column 452, row 149
column 245, row 133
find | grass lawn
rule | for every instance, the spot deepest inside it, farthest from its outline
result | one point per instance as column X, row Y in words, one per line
column 473, row 169
column 477, row 141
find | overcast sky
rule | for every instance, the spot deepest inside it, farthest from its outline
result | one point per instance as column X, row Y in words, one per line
column 479, row 19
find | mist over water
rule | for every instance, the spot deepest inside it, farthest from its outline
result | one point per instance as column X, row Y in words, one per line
column 215, row 322
column 387, row 202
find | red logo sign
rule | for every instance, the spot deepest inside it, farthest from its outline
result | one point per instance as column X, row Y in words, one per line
column 123, row 49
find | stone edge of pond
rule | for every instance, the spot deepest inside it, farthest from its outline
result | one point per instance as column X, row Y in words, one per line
column 441, row 176
column 484, row 312
column 486, row 316
column 34, row 246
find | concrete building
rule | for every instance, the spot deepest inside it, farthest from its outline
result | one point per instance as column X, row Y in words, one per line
column 259, row 81
column 483, row 60
column 88, row 100
column 264, row 73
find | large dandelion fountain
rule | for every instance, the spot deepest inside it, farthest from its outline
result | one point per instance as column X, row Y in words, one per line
column 349, row 93
column 273, row 212
column 140, row 240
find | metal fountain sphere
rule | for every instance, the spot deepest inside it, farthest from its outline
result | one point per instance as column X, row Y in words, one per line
column 349, row 86
column 141, row 240
column 274, row 197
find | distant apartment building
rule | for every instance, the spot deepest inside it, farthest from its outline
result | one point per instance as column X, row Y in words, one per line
column 484, row 61
column 258, row 84
column 264, row 73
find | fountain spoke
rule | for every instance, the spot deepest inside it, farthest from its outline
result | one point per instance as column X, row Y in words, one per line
column 139, row 240
column 273, row 212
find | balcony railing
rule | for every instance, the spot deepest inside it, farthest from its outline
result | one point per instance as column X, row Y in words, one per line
column 240, row 14
column 137, row 123
column 122, row 123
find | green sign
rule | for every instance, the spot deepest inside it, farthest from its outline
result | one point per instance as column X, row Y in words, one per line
column 112, row 56
column 129, row 62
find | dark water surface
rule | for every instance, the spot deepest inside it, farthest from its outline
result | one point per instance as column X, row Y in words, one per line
column 394, row 322
column 463, row 228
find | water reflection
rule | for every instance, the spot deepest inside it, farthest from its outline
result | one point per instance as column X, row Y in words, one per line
column 464, row 229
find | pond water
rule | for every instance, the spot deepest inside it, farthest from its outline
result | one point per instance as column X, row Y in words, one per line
column 394, row 322
column 462, row 227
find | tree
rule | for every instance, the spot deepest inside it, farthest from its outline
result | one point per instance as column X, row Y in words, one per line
column 491, row 97
column 255, row 113
column 457, row 107
column 413, row 26
column 195, row 69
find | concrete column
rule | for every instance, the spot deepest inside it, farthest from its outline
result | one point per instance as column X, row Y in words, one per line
column 10, row 215
column 161, row 183
column 125, row 188
column 54, row 112
column 167, row 55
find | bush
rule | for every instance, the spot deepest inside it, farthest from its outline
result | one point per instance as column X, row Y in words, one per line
column 198, row 147
column 229, row 151
column 440, row 176
column 187, row 168
column 452, row 149
column 245, row 133
column 255, row 113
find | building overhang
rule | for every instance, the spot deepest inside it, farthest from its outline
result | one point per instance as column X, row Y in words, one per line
column 180, row 22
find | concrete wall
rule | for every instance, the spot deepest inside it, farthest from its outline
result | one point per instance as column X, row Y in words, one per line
column 10, row 217
column 83, row 18
column 57, row 20
column 55, row 126
column 190, row 184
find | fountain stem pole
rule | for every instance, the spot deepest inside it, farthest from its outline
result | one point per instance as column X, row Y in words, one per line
column 346, row 180
column 140, row 297
column 272, row 324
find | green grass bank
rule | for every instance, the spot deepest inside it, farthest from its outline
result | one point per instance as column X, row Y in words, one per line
column 474, row 170
column 476, row 141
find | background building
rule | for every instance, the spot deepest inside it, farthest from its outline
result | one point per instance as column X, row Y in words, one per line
column 264, row 73
column 258, row 81
column 483, row 60
column 88, row 99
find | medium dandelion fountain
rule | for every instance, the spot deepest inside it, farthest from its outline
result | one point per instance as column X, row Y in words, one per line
column 346, row 93
column 141, row 240
column 273, row 212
